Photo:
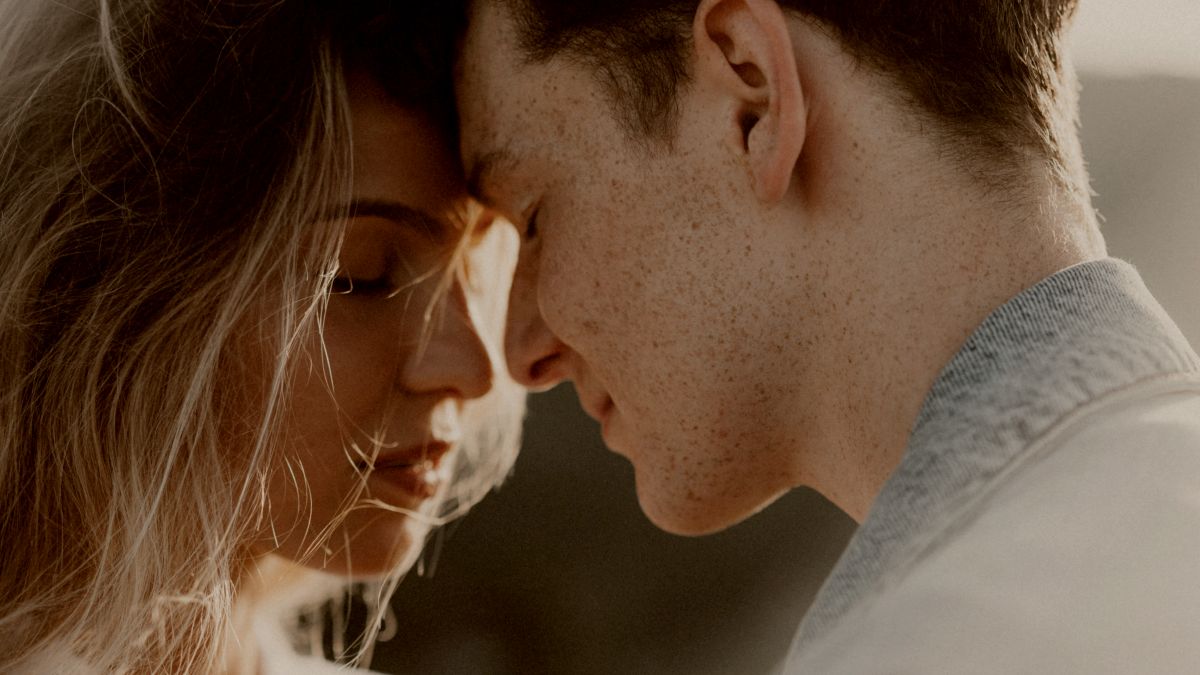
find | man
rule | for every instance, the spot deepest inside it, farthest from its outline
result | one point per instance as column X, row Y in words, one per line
column 849, row 245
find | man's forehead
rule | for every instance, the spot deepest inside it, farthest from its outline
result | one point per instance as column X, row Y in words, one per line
column 495, row 98
column 491, row 38
column 484, row 81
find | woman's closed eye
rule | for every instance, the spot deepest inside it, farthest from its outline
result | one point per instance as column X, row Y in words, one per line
column 381, row 275
column 382, row 258
column 345, row 284
column 367, row 266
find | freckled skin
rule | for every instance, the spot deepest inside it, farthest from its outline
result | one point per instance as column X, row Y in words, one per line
column 747, row 346
column 642, row 289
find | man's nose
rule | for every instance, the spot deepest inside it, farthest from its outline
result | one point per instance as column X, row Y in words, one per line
column 453, row 358
column 536, row 357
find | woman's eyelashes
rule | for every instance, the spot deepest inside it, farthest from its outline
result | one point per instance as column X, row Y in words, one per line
column 387, row 257
column 372, row 272
column 345, row 284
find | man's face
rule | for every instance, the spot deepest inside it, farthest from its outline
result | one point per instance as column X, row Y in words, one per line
column 643, row 277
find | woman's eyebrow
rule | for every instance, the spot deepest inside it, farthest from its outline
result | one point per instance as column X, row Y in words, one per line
column 397, row 212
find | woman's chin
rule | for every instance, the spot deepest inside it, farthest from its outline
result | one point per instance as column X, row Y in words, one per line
column 365, row 548
column 373, row 545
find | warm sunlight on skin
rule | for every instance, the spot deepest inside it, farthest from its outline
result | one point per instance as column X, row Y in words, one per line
column 381, row 434
column 1131, row 38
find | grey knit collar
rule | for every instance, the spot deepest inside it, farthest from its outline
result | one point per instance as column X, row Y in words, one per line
column 1084, row 332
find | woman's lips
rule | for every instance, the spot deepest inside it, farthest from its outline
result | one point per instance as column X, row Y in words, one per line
column 420, row 481
column 413, row 470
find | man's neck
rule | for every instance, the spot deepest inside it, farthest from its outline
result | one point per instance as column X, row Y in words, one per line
column 928, row 270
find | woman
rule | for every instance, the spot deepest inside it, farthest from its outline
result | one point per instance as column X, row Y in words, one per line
column 243, row 316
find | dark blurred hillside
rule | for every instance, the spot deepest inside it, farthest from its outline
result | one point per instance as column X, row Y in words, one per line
column 1142, row 141
column 560, row 573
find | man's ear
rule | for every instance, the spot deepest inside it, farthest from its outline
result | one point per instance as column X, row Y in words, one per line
column 745, row 49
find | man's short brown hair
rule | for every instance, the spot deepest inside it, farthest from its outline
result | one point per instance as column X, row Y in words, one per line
column 987, row 69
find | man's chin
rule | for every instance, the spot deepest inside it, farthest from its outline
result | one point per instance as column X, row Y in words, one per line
column 689, row 514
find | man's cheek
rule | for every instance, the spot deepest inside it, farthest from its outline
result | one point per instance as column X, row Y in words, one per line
column 558, row 296
column 575, row 299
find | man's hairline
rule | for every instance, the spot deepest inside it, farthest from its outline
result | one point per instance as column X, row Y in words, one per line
column 961, row 144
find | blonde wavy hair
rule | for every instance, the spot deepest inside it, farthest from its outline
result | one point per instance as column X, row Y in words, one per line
column 166, row 173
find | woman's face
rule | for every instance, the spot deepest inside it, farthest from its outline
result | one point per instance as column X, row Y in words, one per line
column 384, row 425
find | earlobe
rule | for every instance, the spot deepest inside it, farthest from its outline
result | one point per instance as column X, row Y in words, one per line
column 745, row 47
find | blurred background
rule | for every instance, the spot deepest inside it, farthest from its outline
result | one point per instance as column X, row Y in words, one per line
column 559, row 572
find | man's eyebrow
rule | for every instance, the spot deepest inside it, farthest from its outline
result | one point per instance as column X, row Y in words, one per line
column 397, row 212
column 482, row 168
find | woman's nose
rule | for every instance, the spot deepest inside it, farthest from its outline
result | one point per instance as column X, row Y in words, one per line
column 452, row 356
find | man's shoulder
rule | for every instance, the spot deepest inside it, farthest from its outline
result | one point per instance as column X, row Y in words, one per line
column 1144, row 437
column 1081, row 558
